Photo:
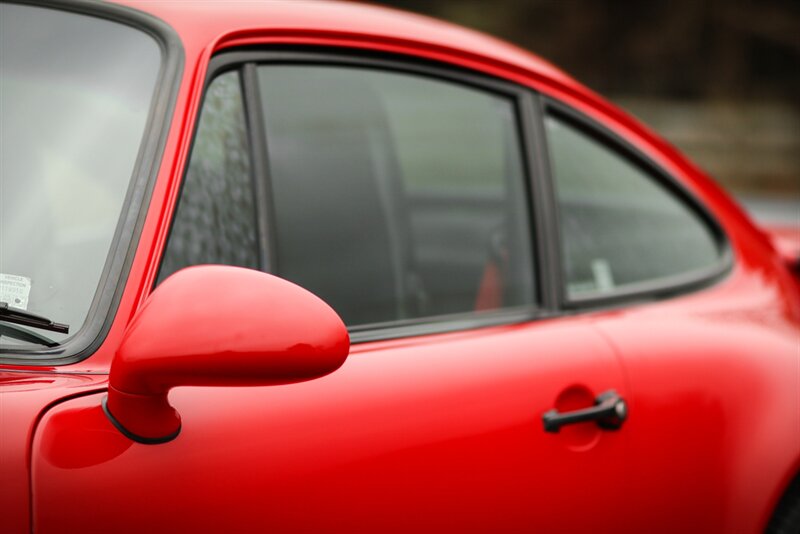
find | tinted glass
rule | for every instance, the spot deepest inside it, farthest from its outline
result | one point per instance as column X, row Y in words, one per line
column 75, row 94
column 396, row 196
column 619, row 225
column 216, row 217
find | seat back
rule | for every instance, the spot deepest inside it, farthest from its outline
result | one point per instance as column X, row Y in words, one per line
column 332, row 179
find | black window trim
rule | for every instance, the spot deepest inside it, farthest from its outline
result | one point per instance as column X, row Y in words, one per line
column 527, row 127
column 650, row 290
column 103, row 309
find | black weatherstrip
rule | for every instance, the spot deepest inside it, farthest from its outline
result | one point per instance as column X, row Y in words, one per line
column 545, row 208
column 262, row 184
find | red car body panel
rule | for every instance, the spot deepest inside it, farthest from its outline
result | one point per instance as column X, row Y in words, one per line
column 24, row 397
column 441, row 430
column 786, row 240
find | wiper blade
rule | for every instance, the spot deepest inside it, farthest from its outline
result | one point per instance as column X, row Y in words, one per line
column 23, row 334
column 18, row 316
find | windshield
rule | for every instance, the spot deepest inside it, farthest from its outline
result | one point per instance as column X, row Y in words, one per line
column 75, row 94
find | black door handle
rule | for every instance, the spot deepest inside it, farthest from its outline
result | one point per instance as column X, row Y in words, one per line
column 609, row 412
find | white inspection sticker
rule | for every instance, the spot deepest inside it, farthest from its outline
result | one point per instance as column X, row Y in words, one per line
column 603, row 279
column 15, row 290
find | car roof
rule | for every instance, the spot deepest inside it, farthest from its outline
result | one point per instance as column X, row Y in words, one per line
column 207, row 21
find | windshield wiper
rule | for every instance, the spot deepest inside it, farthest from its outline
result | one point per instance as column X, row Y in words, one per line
column 28, row 336
column 18, row 316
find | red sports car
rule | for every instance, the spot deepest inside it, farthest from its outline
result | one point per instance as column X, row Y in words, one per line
column 323, row 267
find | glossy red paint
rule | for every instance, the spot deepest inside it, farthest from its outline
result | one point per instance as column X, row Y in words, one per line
column 786, row 240
column 443, row 432
column 437, row 432
column 702, row 368
column 24, row 396
column 176, row 340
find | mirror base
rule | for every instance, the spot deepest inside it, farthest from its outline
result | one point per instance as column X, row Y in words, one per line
column 130, row 435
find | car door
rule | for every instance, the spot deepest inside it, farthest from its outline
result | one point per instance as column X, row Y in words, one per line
column 405, row 196
column 712, row 369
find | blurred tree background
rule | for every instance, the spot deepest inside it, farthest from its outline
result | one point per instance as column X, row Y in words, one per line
column 718, row 78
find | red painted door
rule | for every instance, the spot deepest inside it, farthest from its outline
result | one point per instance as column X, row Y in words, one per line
column 436, row 433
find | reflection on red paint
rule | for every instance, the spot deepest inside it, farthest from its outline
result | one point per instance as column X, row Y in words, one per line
column 81, row 437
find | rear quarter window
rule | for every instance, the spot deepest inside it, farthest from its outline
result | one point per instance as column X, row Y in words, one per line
column 622, row 228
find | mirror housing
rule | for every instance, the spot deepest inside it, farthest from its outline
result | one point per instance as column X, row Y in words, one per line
column 215, row 325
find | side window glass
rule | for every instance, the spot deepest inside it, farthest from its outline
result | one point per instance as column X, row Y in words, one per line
column 395, row 196
column 619, row 225
column 215, row 220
